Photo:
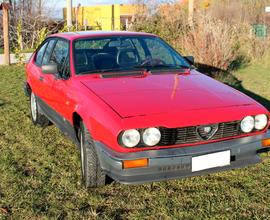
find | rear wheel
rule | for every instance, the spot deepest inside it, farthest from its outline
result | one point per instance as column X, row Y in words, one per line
column 37, row 117
column 92, row 174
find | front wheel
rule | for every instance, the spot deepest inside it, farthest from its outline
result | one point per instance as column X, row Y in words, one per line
column 36, row 116
column 92, row 174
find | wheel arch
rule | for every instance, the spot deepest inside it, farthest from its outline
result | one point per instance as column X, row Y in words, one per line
column 27, row 89
column 76, row 120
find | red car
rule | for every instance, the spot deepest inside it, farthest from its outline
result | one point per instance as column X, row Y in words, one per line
column 139, row 111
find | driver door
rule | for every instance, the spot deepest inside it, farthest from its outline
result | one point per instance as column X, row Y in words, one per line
column 62, row 87
column 43, row 83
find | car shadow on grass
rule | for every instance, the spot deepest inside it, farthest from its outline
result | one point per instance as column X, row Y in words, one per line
column 228, row 78
column 2, row 102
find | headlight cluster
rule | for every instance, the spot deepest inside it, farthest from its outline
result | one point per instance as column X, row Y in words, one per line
column 258, row 122
column 148, row 137
column 131, row 138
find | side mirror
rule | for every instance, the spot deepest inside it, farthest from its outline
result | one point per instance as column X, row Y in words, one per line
column 190, row 59
column 49, row 68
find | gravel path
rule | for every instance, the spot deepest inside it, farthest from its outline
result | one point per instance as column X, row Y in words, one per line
column 13, row 59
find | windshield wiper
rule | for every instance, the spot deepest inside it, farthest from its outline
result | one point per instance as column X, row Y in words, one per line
column 163, row 66
column 101, row 71
column 98, row 71
column 109, row 70
column 138, row 68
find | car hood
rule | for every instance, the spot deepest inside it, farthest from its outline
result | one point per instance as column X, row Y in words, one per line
column 164, row 93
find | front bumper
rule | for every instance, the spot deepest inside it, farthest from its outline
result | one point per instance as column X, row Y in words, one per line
column 176, row 162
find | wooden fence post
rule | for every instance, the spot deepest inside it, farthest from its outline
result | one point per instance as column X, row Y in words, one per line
column 69, row 14
column 5, row 7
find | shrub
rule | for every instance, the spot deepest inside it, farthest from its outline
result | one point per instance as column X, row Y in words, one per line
column 213, row 42
column 219, row 37
column 42, row 34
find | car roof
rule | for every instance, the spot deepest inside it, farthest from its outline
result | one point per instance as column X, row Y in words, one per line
column 86, row 34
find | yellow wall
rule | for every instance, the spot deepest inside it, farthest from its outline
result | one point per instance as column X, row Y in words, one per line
column 101, row 15
column 128, row 9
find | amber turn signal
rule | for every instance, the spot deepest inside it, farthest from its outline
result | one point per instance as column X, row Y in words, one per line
column 127, row 164
column 266, row 142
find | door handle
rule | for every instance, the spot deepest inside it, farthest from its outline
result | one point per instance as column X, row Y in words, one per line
column 41, row 78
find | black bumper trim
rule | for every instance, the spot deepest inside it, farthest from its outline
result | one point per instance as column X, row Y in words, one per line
column 176, row 162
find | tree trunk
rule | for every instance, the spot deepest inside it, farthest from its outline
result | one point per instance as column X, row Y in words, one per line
column 6, row 35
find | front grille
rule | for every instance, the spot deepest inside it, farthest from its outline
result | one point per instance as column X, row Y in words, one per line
column 186, row 135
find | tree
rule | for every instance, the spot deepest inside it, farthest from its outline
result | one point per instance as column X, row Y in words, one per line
column 28, row 19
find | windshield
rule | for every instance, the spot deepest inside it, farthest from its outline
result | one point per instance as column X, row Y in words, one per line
column 124, row 53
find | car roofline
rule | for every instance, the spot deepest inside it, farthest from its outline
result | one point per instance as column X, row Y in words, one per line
column 89, row 34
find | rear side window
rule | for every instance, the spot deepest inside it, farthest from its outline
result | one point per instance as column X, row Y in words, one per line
column 47, row 54
column 40, row 54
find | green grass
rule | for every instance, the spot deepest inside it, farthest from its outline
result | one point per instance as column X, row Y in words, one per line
column 40, row 173
column 256, row 80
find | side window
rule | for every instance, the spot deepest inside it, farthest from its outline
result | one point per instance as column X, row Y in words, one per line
column 66, row 69
column 40, row 53
column 60, row 56
column 47, row 54
column 60, row 52
column 159, row 51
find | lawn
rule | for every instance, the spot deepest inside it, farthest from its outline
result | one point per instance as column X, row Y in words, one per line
column 256, row 79
column 40, row 172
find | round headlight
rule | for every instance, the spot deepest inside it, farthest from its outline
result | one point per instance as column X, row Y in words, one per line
column 131, row 138
column 151, row 136
column 260, row 122
column 247, row 124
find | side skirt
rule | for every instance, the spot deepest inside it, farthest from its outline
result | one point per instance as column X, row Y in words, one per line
column 64, row 125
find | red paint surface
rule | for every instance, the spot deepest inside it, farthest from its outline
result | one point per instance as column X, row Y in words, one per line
column 110, row 105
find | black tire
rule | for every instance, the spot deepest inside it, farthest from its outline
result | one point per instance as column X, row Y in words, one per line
column 37, row 117
column 92, row 174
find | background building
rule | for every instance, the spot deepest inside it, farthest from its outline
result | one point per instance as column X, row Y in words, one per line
column 104, row 17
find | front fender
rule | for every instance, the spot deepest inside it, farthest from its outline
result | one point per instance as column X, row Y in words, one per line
column 103, row 123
